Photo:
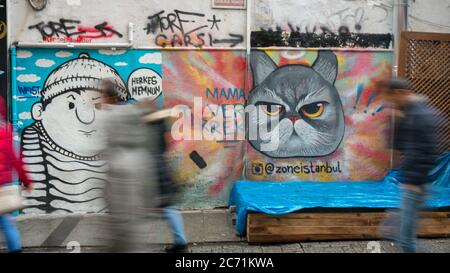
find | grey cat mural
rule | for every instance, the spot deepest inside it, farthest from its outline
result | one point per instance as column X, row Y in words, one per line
column 299, row 101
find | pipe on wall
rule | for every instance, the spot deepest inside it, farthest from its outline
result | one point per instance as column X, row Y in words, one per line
column 73, row 45
column 400, row 15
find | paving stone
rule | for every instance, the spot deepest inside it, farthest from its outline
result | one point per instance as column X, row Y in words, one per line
column 329, row 250
column 232, row 248
column 252, row 249
column 348, row 249
column 201, row 249
column 216, row 249
column 359, row 247
column 271, row 249
column 310, row 249
column 430, row 245
column 292, row 248
column 390, row 247
column 424, row 246
column 315, row 244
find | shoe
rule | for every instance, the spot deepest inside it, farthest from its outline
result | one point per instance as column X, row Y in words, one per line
column 176, row 249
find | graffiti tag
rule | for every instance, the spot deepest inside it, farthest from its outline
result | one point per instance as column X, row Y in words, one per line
column 183, row 28
column 67, row 30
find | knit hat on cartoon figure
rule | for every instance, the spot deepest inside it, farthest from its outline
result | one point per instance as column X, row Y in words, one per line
column 81, row 73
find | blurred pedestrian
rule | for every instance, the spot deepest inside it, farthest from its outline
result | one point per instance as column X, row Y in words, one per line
column 157, row 122
column 8, row 163
column 128, row 190
column 415, row 138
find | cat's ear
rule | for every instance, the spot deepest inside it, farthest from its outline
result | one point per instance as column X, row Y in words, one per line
column 326, row 65
column 262, row 65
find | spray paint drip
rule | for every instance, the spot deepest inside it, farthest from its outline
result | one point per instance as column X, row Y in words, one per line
column 369, row 101
column 359, row 89
column 378, row 110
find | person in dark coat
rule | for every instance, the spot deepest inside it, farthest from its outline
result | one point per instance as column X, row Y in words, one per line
column 157, row 122
column 415, row 138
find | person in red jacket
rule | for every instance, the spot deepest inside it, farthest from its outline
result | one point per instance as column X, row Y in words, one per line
column 8, row 163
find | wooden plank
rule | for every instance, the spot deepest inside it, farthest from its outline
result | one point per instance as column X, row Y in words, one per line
column 310, row 222
column 318, row 215
column 368, row 220
column 287, row 238
column 432, row 36
column 346, row 215
column 294, row 227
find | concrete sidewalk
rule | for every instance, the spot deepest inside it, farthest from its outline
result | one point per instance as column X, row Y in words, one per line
column 202, row 226
column 424, row 246
column 208, row 231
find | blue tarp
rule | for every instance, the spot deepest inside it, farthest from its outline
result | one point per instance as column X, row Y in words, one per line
column 285, row 197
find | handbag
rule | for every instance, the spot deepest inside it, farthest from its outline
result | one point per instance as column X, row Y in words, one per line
column 10, row 199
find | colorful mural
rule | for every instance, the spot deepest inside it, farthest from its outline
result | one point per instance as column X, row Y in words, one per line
column 55, row 107
column 209, row 157
column 331, row 126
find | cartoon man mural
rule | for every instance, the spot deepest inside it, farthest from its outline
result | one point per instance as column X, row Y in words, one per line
column 60, row 149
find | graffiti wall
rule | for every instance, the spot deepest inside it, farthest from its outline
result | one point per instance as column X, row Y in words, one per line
column 55, row 111
column 175, row 23
column 331, row 125
column 208, row 152
column 329, row 121
column 321, row 23
column 322, row 105
column 55, row 107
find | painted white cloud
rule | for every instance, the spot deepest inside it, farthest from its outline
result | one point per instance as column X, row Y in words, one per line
column 16, row 138
column 19, row 68
column 25, row 115
column 112, row 52
column 151, row 58
column 18, row 98
column 63, row 54
column 23, row 54
column 20, row 123
column 45, row 63
column 121, row 64
column 28, row 78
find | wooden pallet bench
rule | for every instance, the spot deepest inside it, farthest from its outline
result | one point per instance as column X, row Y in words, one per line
column 341, row 225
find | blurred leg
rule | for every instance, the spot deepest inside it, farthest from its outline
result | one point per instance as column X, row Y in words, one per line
column 176, row 224
column 12, row 236
column 389, row 228
column 410, row 206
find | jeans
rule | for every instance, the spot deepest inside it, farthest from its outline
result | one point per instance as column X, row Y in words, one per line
column 176, row 225
column 410, row 207
column 400, row 224
column 12, row 235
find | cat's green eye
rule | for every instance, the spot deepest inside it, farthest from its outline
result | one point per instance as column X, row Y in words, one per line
column 313, row 110
column 271, row 109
